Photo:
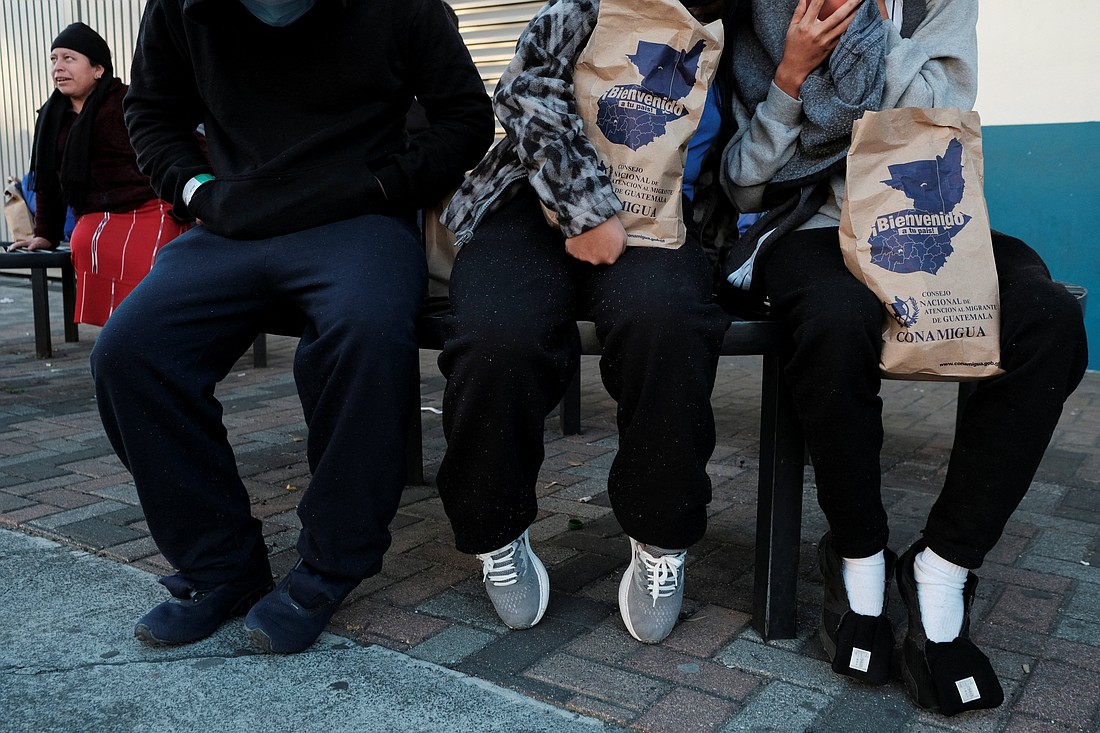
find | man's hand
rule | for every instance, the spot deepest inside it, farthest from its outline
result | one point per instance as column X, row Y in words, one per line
column 31, row 244
column 810, row 40
column 601, row 245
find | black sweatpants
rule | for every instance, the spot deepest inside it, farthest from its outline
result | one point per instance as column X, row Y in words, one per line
column 511, row 349
column 1004, row 431
column 158, row 360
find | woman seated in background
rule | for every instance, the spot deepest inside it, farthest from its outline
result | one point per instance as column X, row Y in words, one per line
column 83, row 159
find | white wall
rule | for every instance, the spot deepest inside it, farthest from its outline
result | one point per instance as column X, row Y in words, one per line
column 1038, row 61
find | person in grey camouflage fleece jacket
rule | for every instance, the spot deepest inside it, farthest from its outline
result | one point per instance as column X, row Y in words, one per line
column 517, row 287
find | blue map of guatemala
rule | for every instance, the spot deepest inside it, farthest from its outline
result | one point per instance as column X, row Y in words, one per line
column 919, row 239
column 637, row 114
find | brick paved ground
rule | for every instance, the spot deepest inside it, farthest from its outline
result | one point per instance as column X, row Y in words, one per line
column 1037, row 613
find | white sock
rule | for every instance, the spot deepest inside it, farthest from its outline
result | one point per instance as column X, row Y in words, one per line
column 865, row 583
column 940, row 591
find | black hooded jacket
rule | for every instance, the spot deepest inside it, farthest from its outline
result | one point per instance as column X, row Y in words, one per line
column 305, row 125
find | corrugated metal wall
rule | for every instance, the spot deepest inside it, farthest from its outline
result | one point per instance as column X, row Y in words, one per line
column 490, row 28
column 27, row 27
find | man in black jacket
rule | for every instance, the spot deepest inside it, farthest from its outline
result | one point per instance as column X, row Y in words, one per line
column 306, row 200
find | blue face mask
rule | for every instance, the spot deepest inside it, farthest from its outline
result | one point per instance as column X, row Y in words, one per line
column 278, row 13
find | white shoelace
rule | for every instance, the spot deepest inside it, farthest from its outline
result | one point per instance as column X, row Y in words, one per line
column 662, row 573
column 500, row 567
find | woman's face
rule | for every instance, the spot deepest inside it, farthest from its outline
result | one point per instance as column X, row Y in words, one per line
column 73, row 74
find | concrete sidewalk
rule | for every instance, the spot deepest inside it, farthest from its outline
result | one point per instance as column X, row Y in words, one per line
column 70, row 663
column 424, row 625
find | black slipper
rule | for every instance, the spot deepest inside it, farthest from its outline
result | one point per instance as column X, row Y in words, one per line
column 858, row 646
column 946, row 677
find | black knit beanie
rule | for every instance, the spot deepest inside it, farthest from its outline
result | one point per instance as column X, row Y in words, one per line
column 79, row 37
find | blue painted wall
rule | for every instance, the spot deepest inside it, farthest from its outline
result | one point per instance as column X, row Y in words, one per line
column 1042, row 185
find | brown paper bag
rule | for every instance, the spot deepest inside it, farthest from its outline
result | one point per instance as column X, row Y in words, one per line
column 914, row 229
column 640, row 84
column 16, row 213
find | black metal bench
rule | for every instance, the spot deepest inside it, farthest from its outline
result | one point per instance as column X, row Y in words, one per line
column 779, row 516
column 781, row 459
column 38, row 262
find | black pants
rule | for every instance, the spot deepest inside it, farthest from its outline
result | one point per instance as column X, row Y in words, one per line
column 1004, row 431
column 512, row 348
column 359, row 284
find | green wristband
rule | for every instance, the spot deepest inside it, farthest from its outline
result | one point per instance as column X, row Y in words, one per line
column 192, row 185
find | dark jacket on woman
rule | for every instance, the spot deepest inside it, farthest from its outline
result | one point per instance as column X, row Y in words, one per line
column 116, row 184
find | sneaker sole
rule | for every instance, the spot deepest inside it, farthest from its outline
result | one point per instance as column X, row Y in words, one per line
column 544, row 588
column 143, row 634
column 624, row 593
column 260, row 639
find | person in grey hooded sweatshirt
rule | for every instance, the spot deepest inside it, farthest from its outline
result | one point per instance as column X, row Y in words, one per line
column 787, row 159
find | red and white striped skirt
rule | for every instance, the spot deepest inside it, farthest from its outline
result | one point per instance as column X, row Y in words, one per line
column 112, row 252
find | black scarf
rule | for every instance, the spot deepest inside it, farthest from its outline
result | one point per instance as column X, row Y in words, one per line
column 71, row 177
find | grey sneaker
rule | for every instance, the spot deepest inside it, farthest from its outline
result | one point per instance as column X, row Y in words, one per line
column 516, row 582
column 652, row 591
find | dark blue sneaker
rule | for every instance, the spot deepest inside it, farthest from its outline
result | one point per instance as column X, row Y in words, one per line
column 291, row 617
column 192, row 613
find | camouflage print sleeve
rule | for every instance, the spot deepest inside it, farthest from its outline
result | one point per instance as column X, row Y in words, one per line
column 535, row 104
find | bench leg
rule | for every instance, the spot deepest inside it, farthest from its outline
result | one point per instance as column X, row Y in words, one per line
column 259, row 351
column 68, row 303
column 414, row 448
column 40, row 300
column 569, row 412
column 779, row 508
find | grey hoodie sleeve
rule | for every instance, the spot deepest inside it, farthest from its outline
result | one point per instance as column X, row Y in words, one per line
column 790, row 139
column 938, row 65
column 761, row 146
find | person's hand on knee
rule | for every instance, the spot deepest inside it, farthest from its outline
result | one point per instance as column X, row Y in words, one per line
column 601, row 245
